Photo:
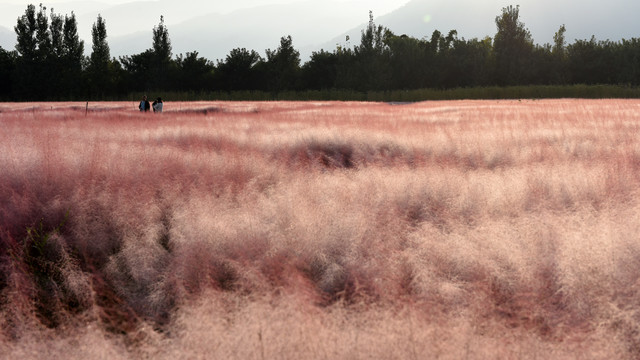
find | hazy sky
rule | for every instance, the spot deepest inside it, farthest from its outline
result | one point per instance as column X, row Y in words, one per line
column 214, row 27
column 378, row 6
column 178, row 11
column 127, row 19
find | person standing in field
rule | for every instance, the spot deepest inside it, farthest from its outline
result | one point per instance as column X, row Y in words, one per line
column 157, row 105
column 144, row 104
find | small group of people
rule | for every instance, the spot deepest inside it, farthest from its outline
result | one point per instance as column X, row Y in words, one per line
column 145, row 106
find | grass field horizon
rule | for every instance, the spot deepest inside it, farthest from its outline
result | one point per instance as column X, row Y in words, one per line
column 467, row 229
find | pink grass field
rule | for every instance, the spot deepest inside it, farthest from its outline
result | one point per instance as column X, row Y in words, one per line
column 320, row 230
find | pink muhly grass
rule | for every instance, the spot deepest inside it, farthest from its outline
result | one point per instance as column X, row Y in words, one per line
column 465, row 229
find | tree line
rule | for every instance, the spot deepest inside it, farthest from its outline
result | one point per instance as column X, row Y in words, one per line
column 48, row 62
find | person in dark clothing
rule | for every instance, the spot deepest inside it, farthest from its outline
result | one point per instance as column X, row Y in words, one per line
column 144, row 104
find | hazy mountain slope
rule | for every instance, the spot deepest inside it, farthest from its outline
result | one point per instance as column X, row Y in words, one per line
column 614, row 19
column 213, row 35
column 129, row 18
column 9, row 14
column 7, row 38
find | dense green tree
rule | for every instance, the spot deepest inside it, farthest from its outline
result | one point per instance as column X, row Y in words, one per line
column 50, row 56
column 559, row 53
column 72, row 59
column 630, row 57
column 542, row 68
column 347, row 72
column 239, row 71
column 48, row 62
column 100, row 52
column 513, row 47
column 43, row 35
column 7, row 68
column 32, row 78
column 137, row 69
column 407, row 61
column 152, row 69
column 161, row 42
column 283, row 66
column 559, row 42
column 434, row 62
column 468, row 63
column 26, row 30
column 372, row 40
column 161, row 69
column 101, row 70
column 446, row 63
column 57, row 29
column 55, row 81
column 24, row 77
column 72, row 45
column 321, row 71
column 195, row 73
column 594, row 62
column 372, row 57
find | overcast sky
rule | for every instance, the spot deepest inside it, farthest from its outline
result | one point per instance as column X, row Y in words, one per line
column 378, row 6
column 124, row 19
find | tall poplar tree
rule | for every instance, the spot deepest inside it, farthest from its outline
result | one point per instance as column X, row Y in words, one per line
column 54, row 77
column 43, row 35
column 26, row 31
column 100, row 52
column 161, row 42
column 99, row 72
column 513, row 47
column 7, row 68
column 71, row 43
column 25, row 75
column 57, row 28
column 161, row 56
column 559, row 53
column 372, row 57
column 72, row 57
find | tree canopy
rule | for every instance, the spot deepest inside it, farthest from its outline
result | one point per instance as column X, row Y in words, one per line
column 48, row 62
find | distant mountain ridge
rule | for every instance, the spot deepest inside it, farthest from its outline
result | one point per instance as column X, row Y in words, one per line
column 214, row 35
column 613, row 19
column 192, row 27
column 7, row 38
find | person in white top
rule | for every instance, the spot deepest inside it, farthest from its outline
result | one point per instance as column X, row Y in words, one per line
column 157, row 105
